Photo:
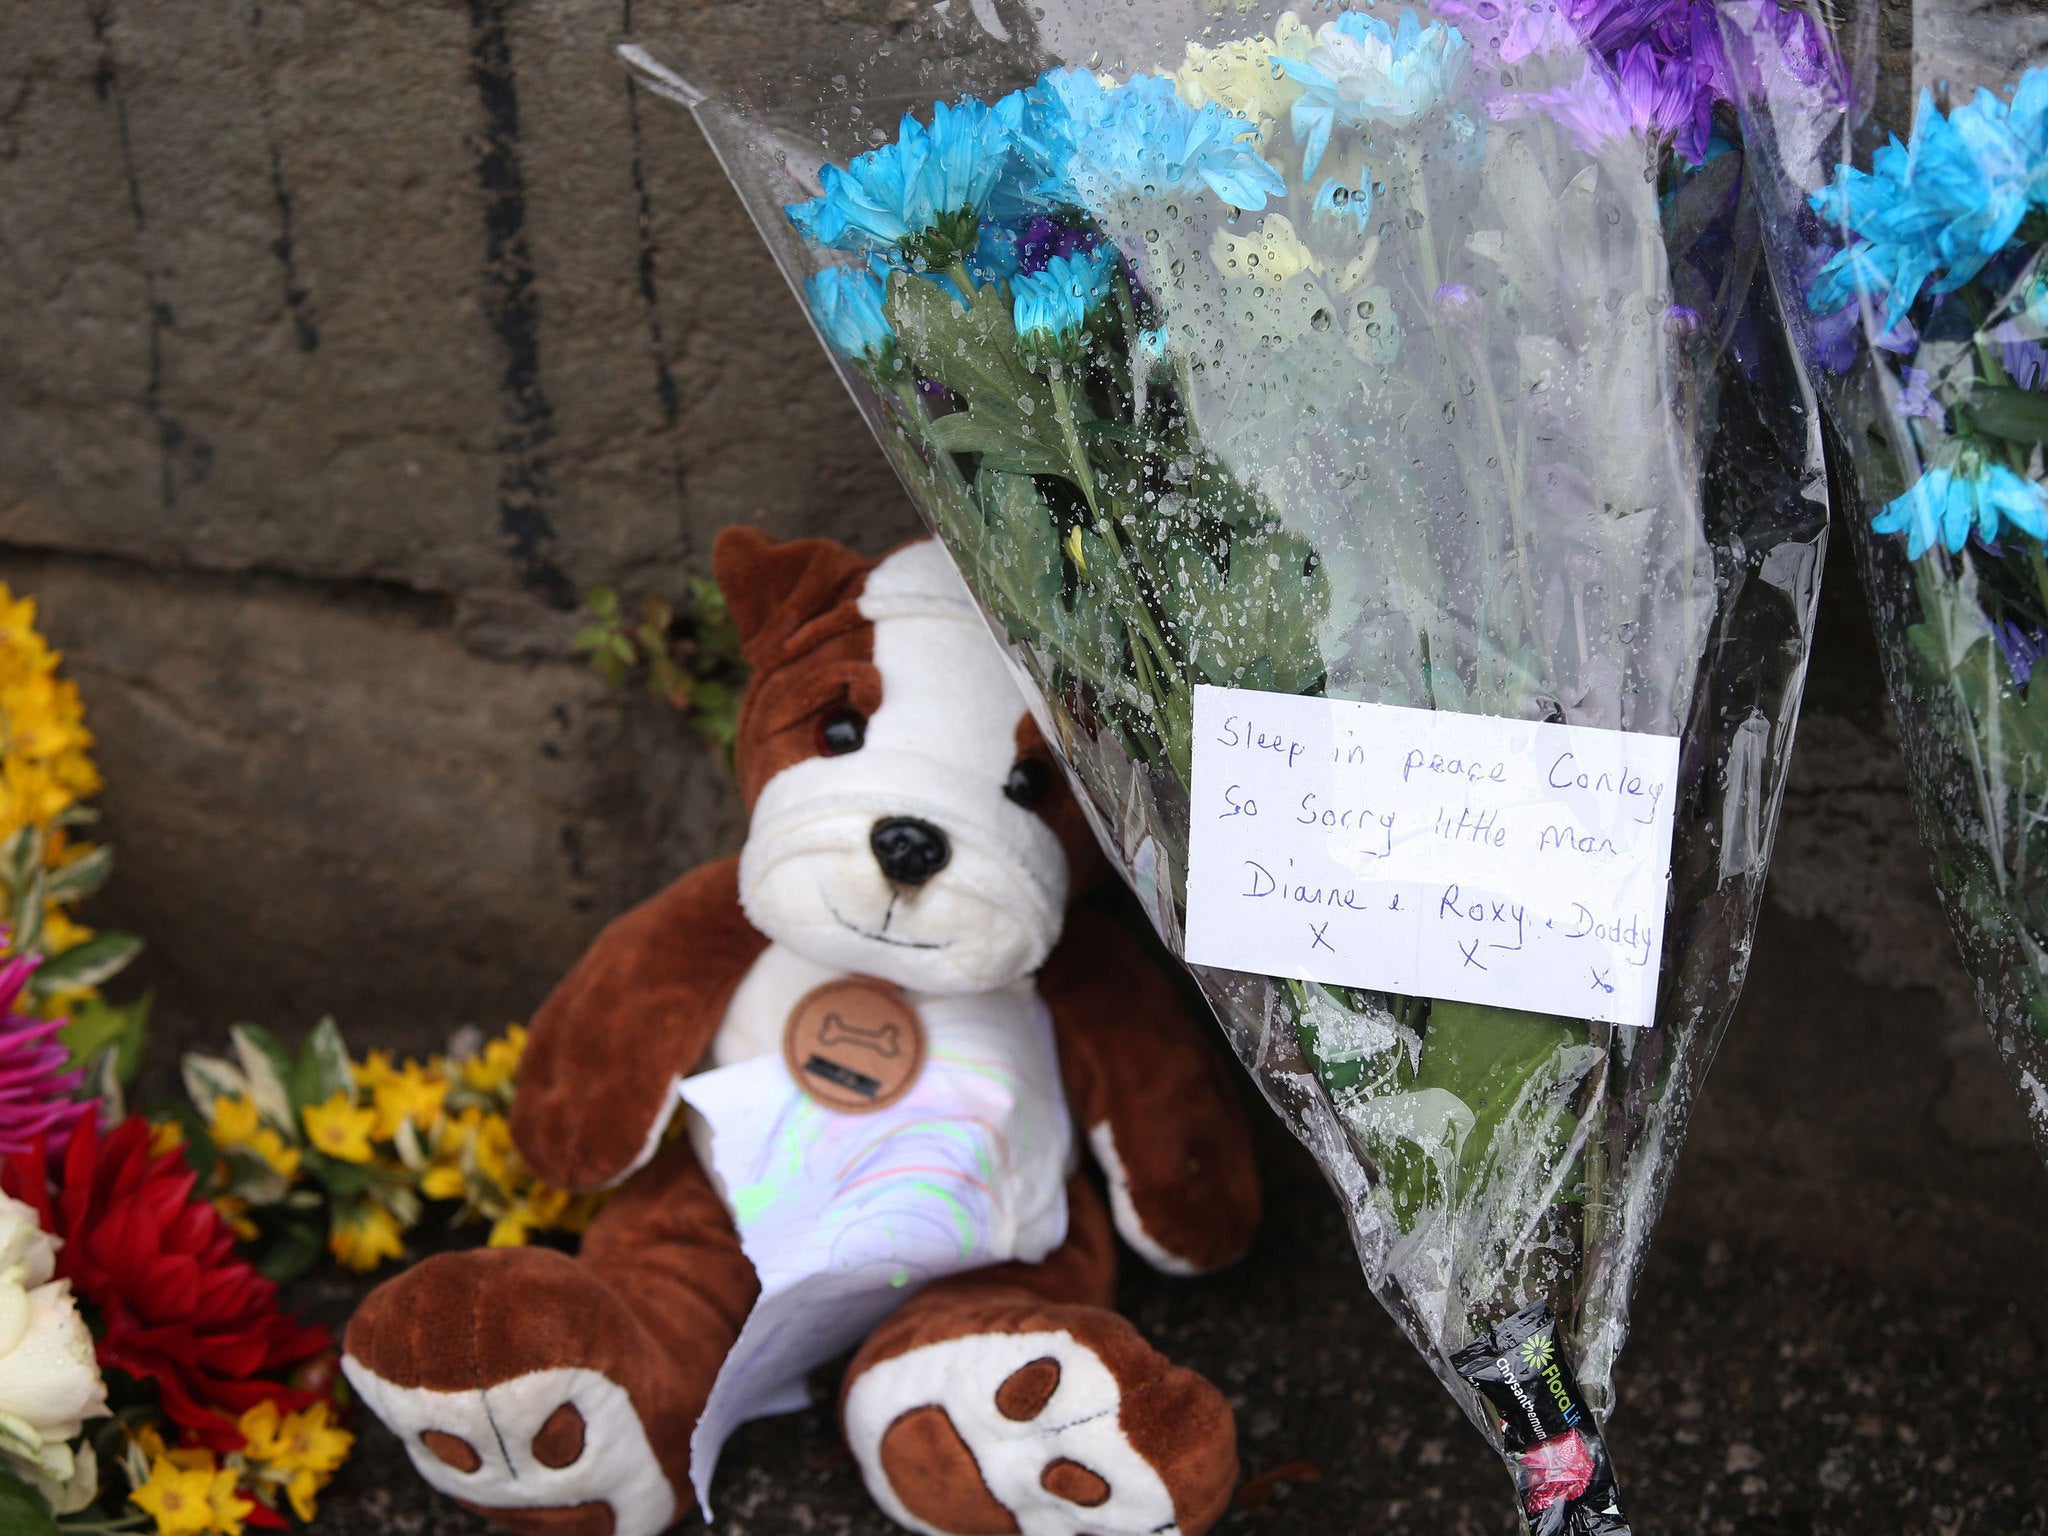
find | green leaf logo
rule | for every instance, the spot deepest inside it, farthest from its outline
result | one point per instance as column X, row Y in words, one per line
column 1536, row 1351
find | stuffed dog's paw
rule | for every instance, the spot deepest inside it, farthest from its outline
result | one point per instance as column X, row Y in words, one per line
column 1050, row 1421
column 521, row 1388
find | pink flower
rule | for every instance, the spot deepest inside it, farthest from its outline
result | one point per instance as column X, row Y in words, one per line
column 1556, row 1470
column 38, row 1097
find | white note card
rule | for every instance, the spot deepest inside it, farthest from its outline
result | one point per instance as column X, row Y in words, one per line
column 1503, row 862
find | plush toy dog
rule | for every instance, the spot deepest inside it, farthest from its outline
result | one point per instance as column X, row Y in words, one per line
column 893, row 1046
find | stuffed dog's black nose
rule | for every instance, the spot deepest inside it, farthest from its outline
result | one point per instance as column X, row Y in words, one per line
column 910, row 851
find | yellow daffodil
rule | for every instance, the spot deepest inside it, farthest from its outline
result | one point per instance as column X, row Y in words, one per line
column 373, row 1069
column 188, row 1496
column 340, row 1129
column 492, row 1068
column 234, row 1120
column 410, row 1094
column 443, row 1181
column 365, row 1237
column 234, row 1210
column 235, row 1125
column 303, row 1447
column 510, row 1230
column 494, row 1152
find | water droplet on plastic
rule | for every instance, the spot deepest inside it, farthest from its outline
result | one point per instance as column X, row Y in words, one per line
column 1320, row 320
column 1412, row 218
column 1450, row 411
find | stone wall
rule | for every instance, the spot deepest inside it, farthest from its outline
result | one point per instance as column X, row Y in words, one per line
column 344, row 345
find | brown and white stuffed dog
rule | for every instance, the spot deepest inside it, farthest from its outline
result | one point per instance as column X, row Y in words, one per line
column 901, row 894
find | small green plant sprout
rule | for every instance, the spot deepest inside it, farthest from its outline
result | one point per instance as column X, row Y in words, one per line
column 689, row 658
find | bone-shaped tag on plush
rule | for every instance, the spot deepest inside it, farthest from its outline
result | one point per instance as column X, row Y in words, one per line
column 882, row 1039
column 854, row 1045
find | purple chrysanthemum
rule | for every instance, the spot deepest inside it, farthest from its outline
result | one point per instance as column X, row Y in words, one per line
column 1043, row 238
column 2023, row 649
column 38, row 1097
column 1645, row 96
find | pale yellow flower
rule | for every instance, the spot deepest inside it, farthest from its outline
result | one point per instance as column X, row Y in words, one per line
column 1241, row 77
column 1274, row 255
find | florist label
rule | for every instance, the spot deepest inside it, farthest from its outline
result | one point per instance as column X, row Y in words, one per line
column 1502, row 862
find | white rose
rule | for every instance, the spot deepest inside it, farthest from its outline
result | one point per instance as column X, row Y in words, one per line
column 49, row 1378
column 23, row 1242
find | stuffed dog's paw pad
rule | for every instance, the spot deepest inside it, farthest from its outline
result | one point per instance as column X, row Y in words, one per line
column 452, row 1450
column 559, row 1441
column 1073, row 1482
column 1026, row 1390
column 1033, row 1424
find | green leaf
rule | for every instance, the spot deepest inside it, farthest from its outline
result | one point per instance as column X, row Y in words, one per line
column 973, row 352
column 296, row 1248
column 1484, row 1056
column 91, row 964
column 80, row 878
column 96, row 1025
column 268, row 1069
column 23, row 1511
column 322, row 1069
column 209, row 1079
column 2017, row 415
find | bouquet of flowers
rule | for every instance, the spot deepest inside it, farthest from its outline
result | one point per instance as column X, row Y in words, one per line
column 1377, row 441
column 319, row 1150
column 1926, row 296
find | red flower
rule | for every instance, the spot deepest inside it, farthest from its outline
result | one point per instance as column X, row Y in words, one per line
column 175, row 1305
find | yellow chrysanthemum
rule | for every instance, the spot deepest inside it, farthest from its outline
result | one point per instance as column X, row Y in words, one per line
column 493, row 1067
column 411, row 1093
column 45, row 765
column 340, row 1129
column 365, row 1238
column 165, row 1136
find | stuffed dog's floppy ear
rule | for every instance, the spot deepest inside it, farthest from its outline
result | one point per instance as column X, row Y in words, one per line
column 772, row 590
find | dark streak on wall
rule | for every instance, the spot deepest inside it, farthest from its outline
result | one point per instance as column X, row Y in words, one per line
column 525, row 488
column 183, row 457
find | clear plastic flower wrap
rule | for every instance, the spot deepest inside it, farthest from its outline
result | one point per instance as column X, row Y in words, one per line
column 1395, row 358
column 1912, row 252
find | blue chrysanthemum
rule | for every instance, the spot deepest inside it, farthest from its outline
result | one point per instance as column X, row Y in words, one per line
column 1932, row 212
column 1946, row 505
column 1085, row 145
column 1363, row 71
column 847, row 304
column 922, row 197
column 1052, row 307
column 1348, row 207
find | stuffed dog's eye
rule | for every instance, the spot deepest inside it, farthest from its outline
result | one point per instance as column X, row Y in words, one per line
column 842, row 732
column 1029, row 779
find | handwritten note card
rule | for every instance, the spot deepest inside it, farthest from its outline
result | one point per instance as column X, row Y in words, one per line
column 1439, row 855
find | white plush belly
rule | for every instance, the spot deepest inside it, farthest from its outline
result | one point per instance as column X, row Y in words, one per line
column 844, row 1215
